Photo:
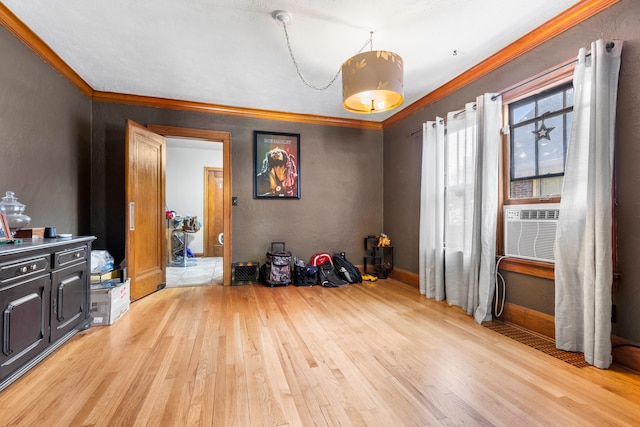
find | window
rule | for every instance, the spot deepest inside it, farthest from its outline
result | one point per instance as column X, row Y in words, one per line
column 533, row 164
column 539, row 114
column 539, row 132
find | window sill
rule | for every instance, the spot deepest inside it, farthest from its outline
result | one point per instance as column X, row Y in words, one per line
column 530, row 268
column 545, row 270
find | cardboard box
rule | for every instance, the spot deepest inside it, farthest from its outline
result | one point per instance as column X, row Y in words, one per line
column 109, row 304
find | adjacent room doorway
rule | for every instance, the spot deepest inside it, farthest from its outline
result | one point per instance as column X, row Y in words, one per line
column 146, row 232
column 195, row 188
column 220, row 198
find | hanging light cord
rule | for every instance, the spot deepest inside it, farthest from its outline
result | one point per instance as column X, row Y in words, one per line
column 295, row 63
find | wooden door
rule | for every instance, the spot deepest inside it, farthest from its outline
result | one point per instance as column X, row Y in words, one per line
column 145, row 154
column 213, row 212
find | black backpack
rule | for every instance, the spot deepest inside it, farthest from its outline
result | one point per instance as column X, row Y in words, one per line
column 328, row 277
column 346, row 269
column 305, row 275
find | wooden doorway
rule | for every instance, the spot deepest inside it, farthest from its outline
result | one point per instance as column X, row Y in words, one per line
column 225, row 139
column 145, row 191
column 213, row 212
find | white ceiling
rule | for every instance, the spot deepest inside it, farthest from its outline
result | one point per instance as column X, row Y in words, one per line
column 234, row 53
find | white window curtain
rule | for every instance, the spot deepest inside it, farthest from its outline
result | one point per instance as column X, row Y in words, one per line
column 583, row 270
column 431, row 263
column 459, row 207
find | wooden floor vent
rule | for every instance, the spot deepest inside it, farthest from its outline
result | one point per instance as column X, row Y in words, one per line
column 537, row 341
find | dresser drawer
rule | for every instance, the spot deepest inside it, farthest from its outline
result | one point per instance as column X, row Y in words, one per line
column 69, row 256
column 23, row 268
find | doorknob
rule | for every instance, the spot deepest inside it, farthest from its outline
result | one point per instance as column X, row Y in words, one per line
column 221, row 238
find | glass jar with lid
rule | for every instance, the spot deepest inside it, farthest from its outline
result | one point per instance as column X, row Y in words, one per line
column 14, row 211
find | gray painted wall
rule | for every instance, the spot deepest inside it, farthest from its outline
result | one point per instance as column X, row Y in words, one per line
column 45, row 125
column 402, row 154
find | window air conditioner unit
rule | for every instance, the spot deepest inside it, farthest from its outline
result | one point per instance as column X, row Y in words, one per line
column 530, row 231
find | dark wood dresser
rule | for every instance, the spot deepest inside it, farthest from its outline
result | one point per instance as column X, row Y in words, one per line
column 44, row 299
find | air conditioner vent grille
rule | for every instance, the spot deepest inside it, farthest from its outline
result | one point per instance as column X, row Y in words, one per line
column 540, row 214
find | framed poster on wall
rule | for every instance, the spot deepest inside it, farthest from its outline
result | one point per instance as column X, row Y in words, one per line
column 276, row 165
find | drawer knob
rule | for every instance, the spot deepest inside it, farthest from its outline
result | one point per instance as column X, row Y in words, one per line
column 77, row 255
column 34, row 267
column 23, row 269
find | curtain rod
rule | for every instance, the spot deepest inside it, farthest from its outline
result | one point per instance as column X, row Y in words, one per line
column 432, row 125
column 608, row 46
column 455, row 116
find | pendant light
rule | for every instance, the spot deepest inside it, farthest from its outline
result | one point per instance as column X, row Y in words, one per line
column 372, row 82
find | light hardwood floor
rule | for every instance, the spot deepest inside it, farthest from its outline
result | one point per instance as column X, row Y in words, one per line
column 375, row 354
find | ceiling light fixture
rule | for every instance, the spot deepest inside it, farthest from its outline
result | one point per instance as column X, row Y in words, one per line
column 372, row 82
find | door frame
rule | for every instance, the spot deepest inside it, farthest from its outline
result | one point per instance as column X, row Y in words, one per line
column 225, row 139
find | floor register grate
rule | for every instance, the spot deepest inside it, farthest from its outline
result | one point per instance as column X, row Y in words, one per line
column 539, row 342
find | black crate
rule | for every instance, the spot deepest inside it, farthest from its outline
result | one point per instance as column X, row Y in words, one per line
column 244, row 273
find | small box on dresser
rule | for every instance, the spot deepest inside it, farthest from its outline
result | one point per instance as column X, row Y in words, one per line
column 30, row 233
column 109, row 304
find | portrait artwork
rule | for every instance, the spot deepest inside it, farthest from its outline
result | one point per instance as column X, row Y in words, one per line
column 276, row 165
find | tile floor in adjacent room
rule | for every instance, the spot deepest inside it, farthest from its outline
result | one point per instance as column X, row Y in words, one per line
column 200, row 271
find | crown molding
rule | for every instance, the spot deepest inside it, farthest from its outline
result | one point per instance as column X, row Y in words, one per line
column 566, row 20
column 202, row 107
